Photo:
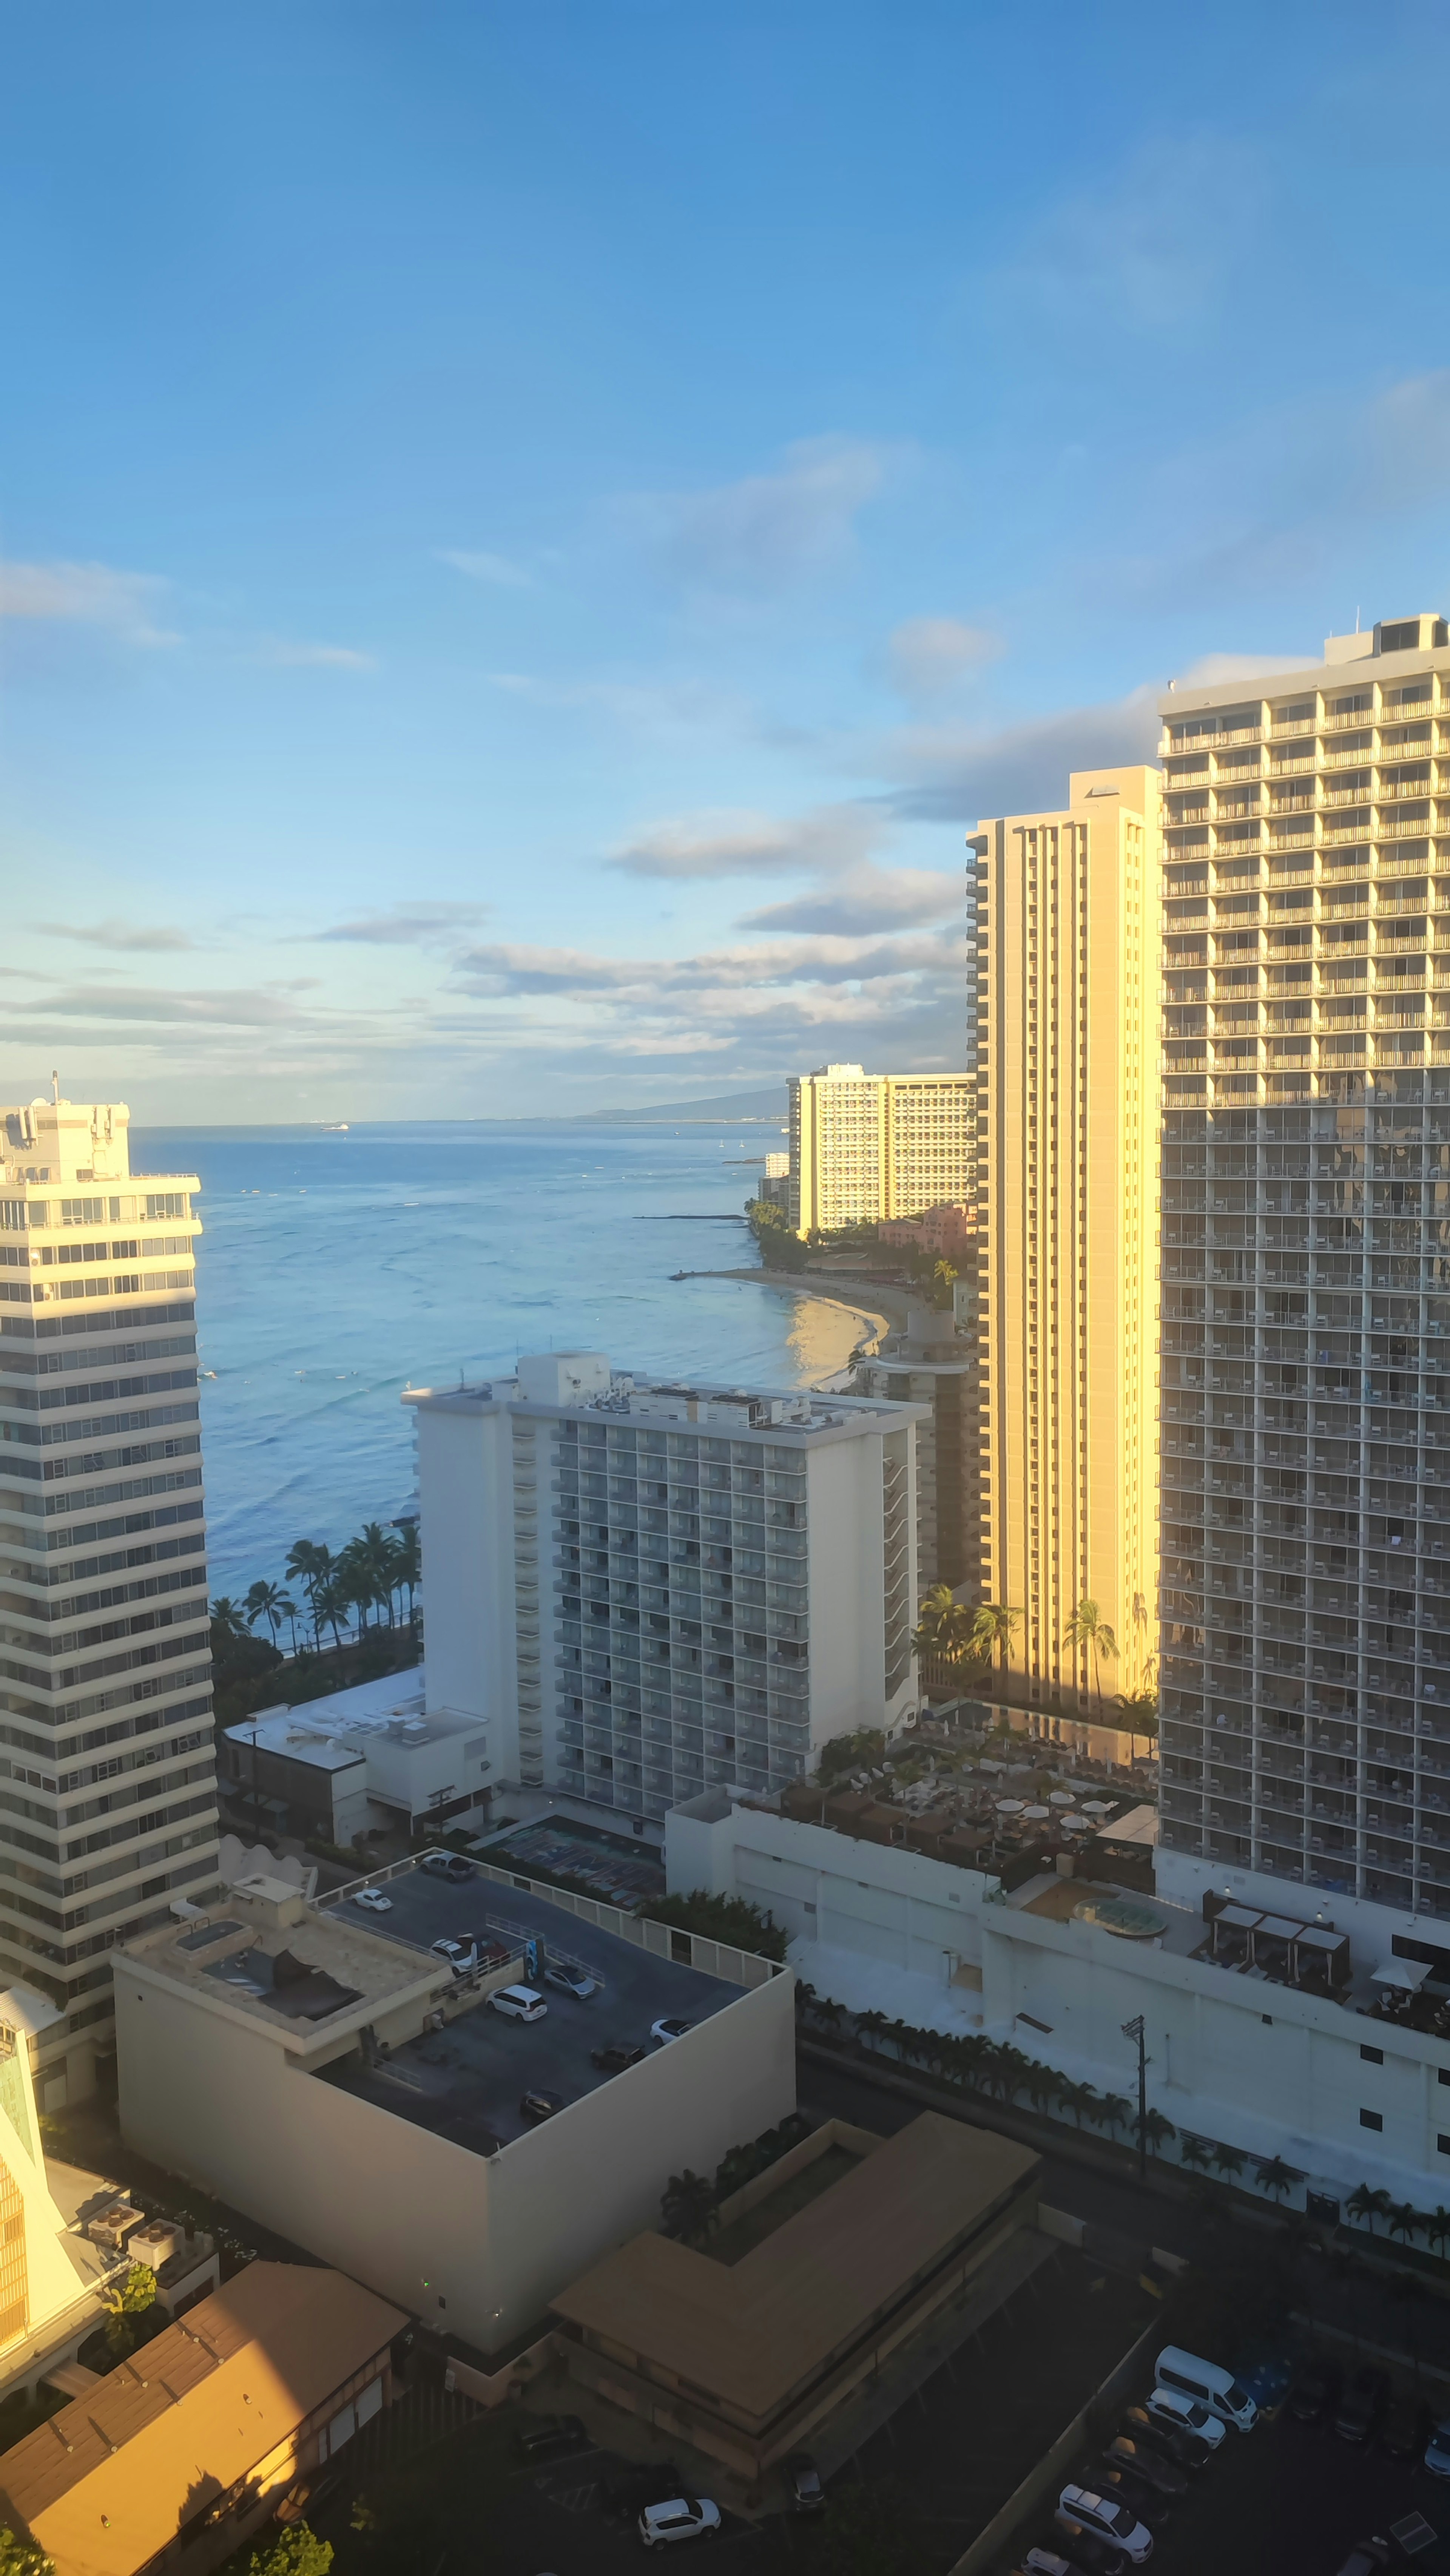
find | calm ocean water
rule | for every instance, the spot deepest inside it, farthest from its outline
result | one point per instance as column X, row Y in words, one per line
column 335, row 1270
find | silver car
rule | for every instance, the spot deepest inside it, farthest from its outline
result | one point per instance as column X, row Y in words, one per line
column 683, row 2518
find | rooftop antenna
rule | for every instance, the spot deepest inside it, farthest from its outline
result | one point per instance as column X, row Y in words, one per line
column 55, row 1089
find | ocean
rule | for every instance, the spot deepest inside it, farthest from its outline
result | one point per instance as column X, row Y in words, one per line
column 334, row 1270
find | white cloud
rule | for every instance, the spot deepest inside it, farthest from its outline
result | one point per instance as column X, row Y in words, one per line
column 407, row 925
column 85, row 594
column 928, row 657
column 493, row 569
column 768, row 531
column 318, row 657
column 118, row 1005
column 117, row 934
column 1152, row 248
column 739, row 842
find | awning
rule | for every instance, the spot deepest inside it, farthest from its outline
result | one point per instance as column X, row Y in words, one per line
column 1407, row 1974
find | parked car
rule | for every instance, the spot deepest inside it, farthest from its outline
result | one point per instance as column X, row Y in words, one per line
column 807, row 2492
column 1107, row 2517
column 1365, row 2558
column 1168, row 2406
column 1315, row 2392
column 540, row 2104
column 1208, row 2384
column 1146, row 2465
column 682, row 2518
column 1184, row 2449
column 1437, row 2449
column 571, row 1981
column 461, row 1955
column 373, row 1901
column 670, row 2028
column 625, row 2491
column 1115, row 2478
column 1088, row 2556
column 1362, row 2404
column 449, row 1865
column 550, row 2437
column 518, row 2003
column 1402, row 2434
column 615, row 2055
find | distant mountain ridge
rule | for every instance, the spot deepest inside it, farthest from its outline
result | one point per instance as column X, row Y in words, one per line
column 733, row 1105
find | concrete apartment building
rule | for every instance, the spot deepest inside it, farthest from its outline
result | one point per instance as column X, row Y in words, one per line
column 356, row 1762
column 864, row 1147
column 933, row 1364
column 641, row 1589
column 107, row 1791
column 1065, row 909
column 1306, row 1299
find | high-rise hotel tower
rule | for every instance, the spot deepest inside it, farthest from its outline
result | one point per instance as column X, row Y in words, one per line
column 1066, row 924
column 1306, row 1278
column 107, row 1782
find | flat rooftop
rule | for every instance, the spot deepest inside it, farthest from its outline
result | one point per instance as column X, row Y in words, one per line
column 464, row 2082
column 335, row 1732
column 230, row 1956
column 661, row 1403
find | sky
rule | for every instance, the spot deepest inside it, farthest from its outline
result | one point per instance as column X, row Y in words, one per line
column 530, row 534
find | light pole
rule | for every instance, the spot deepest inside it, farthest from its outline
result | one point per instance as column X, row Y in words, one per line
column 1134, row 2030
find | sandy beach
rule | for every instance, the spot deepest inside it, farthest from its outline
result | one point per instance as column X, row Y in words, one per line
column 886, row 1313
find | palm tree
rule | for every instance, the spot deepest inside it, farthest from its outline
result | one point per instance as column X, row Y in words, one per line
column 1087, row 1633
column 1406, row 2221
column 1437, row 2228
column 1137, row 1711
column 1194, row 2153
column 1116, row 2111
column 1273, row 2175
column 1075, row 2098
column 268, row 1601
column 944, row 1628
column 226, row 1614
column 1040, row 2085
column 1227, row 2161
column 409, row 1563
column 1368, row 2205
column 378, row 1555
column 1157, row 2131
column 309, row 1564
column 870, row 2025
column 330, row 1603
column 993, row 1629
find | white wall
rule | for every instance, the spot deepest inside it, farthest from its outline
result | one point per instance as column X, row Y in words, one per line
column 896, row 1905
column 845, row 1519
column 465, row 1487
column 415, row 2217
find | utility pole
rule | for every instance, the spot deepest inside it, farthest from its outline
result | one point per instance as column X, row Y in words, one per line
column 1134, row 2030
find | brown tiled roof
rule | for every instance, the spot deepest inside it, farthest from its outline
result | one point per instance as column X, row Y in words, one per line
column 108, row 2481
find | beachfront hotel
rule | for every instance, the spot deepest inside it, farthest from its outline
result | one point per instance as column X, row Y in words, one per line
column 107, row 1787
column 1065, row 911
column 865, row 1148
column 1306, row 1282
column 644, row 1590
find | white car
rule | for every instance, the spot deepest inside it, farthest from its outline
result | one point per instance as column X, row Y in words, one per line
column 1185, row 2415
column 1108, row 2518
column 374, row 1900
column 671, row 2028
column 519, row 2003
column 460, row 1955
column 683, row 2518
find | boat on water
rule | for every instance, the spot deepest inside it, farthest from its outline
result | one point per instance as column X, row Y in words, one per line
column 340, row 1128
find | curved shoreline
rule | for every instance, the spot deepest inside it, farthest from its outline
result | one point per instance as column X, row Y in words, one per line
column 792, row 1285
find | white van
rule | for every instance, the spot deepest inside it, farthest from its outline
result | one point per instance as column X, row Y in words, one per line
column 1207, row 2385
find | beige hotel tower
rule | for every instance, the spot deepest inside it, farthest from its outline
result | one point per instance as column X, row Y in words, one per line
column 1066, row 1008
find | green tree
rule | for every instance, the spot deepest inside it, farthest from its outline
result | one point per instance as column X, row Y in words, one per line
column 1437, row 2228
column 1273, row 2175
column 308, row 1563
column 1364, row 2204
column 226, row 1614
column 409, row 1563
column 1087, row 1633
column 943, row 1280
column 128, row 2300
column 1227, row 2161
column 687, row 2206
column 330, row 1601
column 1194, row 2153
column 993, row 1630
column 731, row 1919
column 945, row 1628
column 268, row 1601
column 1406, row 2221
column 295, row 2551
column 21, row 2557
column 1117, row 2111
column 1137, row 1710
column 1157, row 2131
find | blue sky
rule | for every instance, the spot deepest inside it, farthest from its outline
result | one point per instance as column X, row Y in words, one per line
column 529, row 534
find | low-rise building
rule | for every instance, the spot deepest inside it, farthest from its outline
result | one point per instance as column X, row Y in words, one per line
column 175, row 2456
column 945, row 1229
column 747, row 2358
column 354, row 2090
column 356, row 1762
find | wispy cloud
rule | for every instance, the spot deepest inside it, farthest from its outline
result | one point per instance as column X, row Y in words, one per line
column 497, row 570
column 86, row 594
column 318, row 657
column 114, row 935
column 958, row 773
column 929, row 657
column 868, row 899
column 767, row 532
column 666, row 710
column 408, row 925
column 739, row 842
column 1152, row 248
column 109, row 1005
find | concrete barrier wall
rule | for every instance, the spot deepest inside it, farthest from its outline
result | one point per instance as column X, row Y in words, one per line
column 1042, row 2483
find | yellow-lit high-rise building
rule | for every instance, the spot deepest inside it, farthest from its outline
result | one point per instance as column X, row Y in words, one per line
column 1067, row 923
column 866, row 1147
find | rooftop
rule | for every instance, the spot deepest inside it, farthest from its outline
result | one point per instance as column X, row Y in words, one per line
column 749, row 2334
column 333, row 1733
column 464, row 2082
column 108, row 2482
column 584, row 1386
column 263, row 1954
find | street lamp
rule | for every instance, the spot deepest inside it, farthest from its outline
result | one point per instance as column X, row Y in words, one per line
column 1134, row 2030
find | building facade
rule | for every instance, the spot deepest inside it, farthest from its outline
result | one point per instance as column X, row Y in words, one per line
column 864, row 1147
column 929, row 1365
column 1066, row 922
column 1306, row 1279
column 644, row 1589
column 107, row 1782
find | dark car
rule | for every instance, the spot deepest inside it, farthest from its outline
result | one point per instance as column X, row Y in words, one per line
column 627, row 2489
column 1084, row 2551
column 449, row 1865
column 1169, row 2440
column 1265, row 2370
column 1116, row 2478
column 1315, row 2392
column 807, row 2493
column 1145, row 2464
column 1404, row 2430
column 540, row 2104
column 1362, row 2404
column 616, row 2055
column 551, row 2437
column 1366, row 2558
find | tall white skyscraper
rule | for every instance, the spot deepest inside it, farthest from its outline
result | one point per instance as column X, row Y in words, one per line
column 1306, row 1281
column 107, row 1782
column 647, row 1589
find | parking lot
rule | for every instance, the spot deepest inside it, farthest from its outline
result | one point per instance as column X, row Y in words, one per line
column 466, row 2082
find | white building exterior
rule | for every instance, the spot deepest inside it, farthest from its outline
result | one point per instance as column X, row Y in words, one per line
column 107, row 1773
column 1262, row 2067
column 642, row 1590
column 357, row 1760
column 870, row 1146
